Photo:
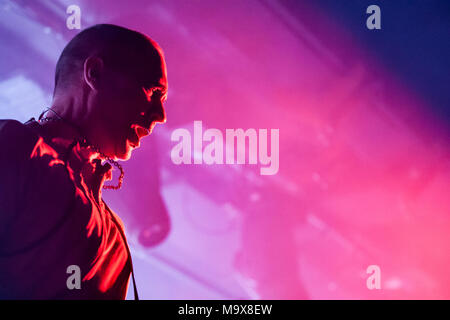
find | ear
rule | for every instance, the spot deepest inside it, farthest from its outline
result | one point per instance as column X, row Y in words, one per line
column 93, row 68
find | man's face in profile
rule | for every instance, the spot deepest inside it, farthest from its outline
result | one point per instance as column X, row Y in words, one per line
column 130, row 105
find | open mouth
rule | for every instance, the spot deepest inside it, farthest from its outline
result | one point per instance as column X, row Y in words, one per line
column 137, row 133
column 140, row 131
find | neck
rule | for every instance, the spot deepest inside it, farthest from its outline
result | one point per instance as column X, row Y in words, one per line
column 72, row 107
column 73, row 119
column 71, row 114
column 78, row 107
column 61, row 131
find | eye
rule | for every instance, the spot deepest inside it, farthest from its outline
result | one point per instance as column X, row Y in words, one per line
column 149, row 93
column 155, row 92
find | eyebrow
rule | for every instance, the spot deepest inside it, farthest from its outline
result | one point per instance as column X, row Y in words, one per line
column 160, row 88
column 163, row 91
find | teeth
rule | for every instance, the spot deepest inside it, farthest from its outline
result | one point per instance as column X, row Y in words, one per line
column 141, row 132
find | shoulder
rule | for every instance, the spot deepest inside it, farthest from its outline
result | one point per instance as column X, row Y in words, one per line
column 16, row 138
column 11, row 126
column 17, row 143
column 114, row 217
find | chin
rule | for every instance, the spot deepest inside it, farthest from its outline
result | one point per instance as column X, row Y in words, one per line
column 124, row 152
column 123, row 157
column 127, row 156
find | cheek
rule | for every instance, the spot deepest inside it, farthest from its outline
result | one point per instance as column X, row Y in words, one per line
column 110, row 107
column 122, row 110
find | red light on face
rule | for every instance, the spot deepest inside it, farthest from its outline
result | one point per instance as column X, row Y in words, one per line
column 156, row 93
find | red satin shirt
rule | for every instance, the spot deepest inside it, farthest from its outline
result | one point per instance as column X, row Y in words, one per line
column 50, row 220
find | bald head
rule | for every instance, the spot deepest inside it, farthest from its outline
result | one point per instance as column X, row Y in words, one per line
column 129, row 52
column 111, row 82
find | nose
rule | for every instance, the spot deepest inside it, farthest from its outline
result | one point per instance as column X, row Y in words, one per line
column 160, row 113
column 156, row 113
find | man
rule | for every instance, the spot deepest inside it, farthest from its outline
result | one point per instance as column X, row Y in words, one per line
column 110, row 85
